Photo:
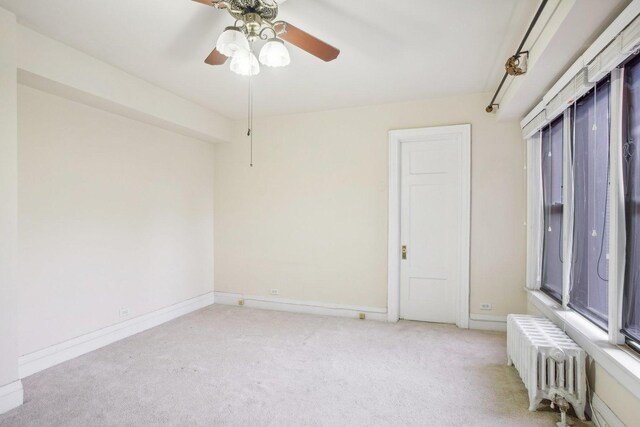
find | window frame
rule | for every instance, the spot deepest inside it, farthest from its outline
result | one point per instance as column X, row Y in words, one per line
column 617, row 227
column 609, row 349
column 617, row 237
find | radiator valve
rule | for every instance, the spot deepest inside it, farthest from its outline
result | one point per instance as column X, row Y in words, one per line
column 564, row 406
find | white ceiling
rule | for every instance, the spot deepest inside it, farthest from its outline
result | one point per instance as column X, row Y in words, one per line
column 391, row 51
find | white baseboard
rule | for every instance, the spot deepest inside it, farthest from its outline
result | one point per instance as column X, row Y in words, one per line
column 603, row 414
column 306, row 307
column 42, row 359
column 485, row 322
column 11, row 396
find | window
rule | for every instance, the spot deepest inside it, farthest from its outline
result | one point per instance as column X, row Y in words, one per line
column 588, row 293
column 631, row 185
column 551, row 156
column 601, row 205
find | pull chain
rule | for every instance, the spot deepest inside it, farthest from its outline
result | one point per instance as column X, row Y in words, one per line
column 250, row 120
column 594, row 129
column 550, row 169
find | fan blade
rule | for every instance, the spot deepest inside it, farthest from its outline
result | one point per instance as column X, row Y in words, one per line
column 215, row 58
column 309, row 43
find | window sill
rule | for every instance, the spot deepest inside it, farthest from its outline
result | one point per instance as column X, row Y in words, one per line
column 618, row 361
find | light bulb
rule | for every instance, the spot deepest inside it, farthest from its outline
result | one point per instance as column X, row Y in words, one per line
column 275, row 54
column 231, row 41
column 245, row 63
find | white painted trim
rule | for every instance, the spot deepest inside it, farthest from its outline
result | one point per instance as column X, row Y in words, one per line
column 617, row 226
column 42, row 359
column 601, row 412
column 393, row 284
column 488, row 317
column 482, row 325
column 487, row 322
column 620, row 362
column 298, row 306
column 534, row 212
column 393, row 242
column 465, row 238
column 539, row 108
column 11, row 396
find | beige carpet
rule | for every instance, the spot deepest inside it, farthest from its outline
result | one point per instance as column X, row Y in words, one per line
column 245, row 367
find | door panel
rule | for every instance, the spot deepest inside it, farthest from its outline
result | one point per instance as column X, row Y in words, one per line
column 431, row 227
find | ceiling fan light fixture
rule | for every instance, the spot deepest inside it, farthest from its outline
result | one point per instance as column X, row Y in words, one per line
column 275, row 54
column 231, row 41
column 245, row 63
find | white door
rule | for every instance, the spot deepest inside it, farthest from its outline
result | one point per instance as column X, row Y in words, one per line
column 434, row 223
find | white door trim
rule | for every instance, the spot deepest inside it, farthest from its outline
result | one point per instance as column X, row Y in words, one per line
column 396, row 138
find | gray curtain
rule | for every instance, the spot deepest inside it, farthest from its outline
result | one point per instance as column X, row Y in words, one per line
column 631, row 173
column 590, row 265
column 551, row 156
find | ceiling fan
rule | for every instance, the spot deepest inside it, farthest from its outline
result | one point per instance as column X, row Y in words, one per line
column 255, row 20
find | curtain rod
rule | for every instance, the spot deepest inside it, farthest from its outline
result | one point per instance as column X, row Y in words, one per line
column 519, row 52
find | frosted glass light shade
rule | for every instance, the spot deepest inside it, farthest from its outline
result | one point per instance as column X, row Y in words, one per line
column 231, row 41
column 275, row 54
column 245, row 63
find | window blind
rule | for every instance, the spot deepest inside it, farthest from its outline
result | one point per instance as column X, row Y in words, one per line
column 552, row 171
column 590, row 267
column 577, row 87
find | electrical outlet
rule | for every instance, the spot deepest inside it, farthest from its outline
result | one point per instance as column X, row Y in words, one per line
column 275, row 291
column 123, row 312
column 486, row 306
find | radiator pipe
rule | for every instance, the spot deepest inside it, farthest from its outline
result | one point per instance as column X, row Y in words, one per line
column 489, row 108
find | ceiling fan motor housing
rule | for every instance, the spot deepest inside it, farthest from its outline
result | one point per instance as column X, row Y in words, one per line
column 265, row 9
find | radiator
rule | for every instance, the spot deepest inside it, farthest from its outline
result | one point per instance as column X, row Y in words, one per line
column 550, row 364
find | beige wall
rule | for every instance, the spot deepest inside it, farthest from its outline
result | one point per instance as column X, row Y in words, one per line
column 310, row 218
column 113, row 213
column 8, row 202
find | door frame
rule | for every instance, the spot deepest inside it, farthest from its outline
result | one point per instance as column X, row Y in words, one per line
column 396, row 139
